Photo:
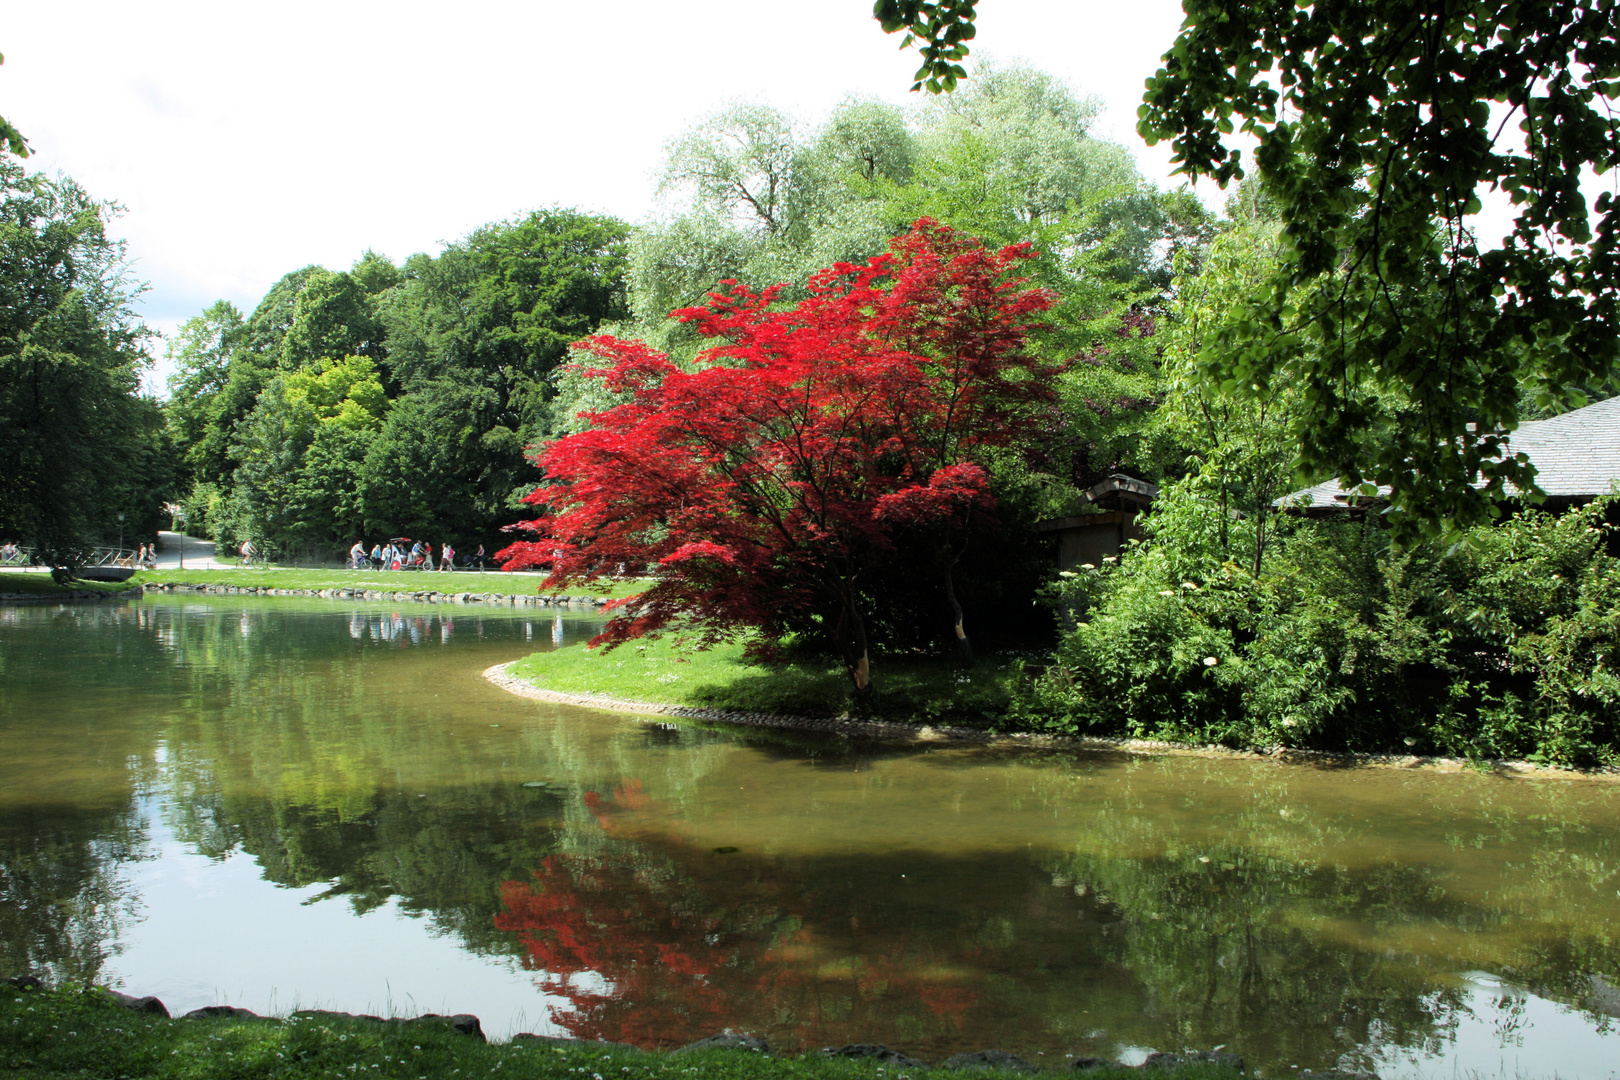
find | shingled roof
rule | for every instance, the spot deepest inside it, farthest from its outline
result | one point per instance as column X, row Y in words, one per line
column 1576, row 455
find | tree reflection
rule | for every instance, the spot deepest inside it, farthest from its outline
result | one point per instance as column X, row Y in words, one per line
column 63, row 903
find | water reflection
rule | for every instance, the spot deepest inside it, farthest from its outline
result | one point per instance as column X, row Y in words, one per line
column 651, row 883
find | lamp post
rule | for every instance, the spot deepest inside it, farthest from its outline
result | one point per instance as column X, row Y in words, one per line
column 120, row 536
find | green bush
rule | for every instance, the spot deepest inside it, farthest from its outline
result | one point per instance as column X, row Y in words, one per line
column 1501, row 644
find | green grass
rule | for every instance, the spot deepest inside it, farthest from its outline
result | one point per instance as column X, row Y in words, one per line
column 18, row 581
column 456, row 581
column 82, row 1033
column 913, row 690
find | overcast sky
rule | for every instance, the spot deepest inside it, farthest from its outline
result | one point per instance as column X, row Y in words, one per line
column 247, row 139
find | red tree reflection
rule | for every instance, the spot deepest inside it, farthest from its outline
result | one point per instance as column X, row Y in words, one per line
column 657, row 943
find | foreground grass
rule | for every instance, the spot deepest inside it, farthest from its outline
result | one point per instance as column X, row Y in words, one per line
column 455, row 581
column 17, row 581
column 77, row 1033
column 912, row 690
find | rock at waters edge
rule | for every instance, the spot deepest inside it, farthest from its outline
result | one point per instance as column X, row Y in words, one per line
column 464, row 1023
column 728, row 1040
column 28, row 984
column 1336, row 1074
column 138, row 1004
column 221, row 1012
column 873, row 1052
column 988, row 1059
column 1085, row 1064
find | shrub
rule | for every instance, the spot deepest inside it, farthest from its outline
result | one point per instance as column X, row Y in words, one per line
column 1501, row 644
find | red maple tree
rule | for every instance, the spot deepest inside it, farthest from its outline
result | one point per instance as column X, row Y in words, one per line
column 791, row 458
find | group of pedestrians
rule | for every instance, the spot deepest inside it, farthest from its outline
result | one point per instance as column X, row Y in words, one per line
column 394, row 555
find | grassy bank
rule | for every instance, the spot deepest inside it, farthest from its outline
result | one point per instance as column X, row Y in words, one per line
column 40, row 584
column 74, row 1033
column 917, row 690
column 493, row 581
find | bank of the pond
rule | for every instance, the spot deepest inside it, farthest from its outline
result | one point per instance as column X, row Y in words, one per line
column 22, row 587
column 91, row 1032
column 918, row 704
column 457, row 587
column 662, row 673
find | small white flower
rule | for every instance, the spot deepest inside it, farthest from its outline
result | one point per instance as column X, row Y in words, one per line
column 1167, row 592
column 1211, row 661
column 1067, row 573
column 1290, row 722
column 1110, row 558
column 1189, row 585
column 1088, row 566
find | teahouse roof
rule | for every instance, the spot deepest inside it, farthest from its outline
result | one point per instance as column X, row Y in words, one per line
column 1576, row 455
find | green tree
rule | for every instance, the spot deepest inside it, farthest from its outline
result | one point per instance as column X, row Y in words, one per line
column 473, row 336
column 1380, row 124
column 200, row 353
column 1242, row 436
column 76, row 437
column 300, row 453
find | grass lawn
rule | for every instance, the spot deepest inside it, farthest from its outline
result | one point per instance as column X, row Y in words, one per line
column 18, row 581
column 914, row 690
column 46, row 1035
column 456, row 581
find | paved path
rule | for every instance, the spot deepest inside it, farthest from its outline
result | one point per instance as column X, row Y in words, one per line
column 198, row 554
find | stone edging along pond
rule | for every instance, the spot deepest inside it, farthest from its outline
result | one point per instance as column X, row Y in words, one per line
column 425, row 596
column 77, row 596
column 913, row 733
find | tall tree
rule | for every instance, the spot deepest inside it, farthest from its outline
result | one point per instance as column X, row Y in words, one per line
column 475, row 333
column 201, row 352
column 75, row 435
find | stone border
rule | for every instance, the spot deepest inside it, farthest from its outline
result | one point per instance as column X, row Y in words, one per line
column 425, row 596
column 77, row 596
column 930, row 735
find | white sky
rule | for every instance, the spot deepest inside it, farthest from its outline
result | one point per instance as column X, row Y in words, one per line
column 247, row 139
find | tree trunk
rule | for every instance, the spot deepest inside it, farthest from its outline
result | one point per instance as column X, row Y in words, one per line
column 964, row 647
column 853, row 647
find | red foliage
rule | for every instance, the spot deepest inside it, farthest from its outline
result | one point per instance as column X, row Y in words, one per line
column 767, row 478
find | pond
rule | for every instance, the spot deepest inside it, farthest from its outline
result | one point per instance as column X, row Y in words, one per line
column 282, row 804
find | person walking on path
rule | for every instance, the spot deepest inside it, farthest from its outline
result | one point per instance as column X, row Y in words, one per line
column 447, row 556
column 478, row 557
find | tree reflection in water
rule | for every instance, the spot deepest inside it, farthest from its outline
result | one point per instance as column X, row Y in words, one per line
column 655, row 939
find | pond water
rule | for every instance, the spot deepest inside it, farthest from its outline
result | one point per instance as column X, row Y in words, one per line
column 280, row 803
